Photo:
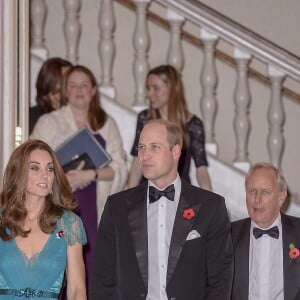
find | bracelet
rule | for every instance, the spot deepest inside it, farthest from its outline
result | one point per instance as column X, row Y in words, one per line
column 96, row 175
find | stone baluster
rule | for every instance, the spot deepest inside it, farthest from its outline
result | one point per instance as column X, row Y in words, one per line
column 175, row 52
column 107, row 47
column 275, row 117
column 141, row 42
column 72, row 28
column 242, row 100
column 209, row 82
column 38, row 49
column 38, row 12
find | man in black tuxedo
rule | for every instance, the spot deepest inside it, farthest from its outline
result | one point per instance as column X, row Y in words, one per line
column 267, row 267
column 149, row 247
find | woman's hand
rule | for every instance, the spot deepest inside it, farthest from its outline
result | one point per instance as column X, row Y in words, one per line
column 79, row 178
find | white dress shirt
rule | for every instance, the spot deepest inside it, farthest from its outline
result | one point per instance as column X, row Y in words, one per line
column 160, row 217
column 266, row 265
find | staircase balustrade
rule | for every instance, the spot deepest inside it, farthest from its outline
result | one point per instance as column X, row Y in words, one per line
column 242, row 99
column 72, row 28
column 213, row 27
column 107, row 47
column 175, row 52
column 141, row 45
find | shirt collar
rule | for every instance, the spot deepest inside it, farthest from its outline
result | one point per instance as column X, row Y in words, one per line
column 277, row 222
column 177, row 186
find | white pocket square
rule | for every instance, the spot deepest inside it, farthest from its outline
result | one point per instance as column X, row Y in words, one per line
column 194, row 234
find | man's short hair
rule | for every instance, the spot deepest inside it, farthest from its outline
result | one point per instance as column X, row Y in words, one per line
column 282, row 185
column 173, row 132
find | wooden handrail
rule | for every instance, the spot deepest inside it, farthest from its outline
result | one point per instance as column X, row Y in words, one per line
column 220, row 55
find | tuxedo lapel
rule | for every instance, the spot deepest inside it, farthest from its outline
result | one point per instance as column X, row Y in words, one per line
column 241, row 242
column 181, row 228
column 241, row 245
column 137, row 218
column 291, row 271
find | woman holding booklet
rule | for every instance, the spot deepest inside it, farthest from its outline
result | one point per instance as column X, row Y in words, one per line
column 91, row 186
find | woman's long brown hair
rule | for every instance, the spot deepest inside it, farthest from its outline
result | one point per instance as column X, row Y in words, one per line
column 96, row 114
column 177, row 108
column 50, row 75
column 13, row 194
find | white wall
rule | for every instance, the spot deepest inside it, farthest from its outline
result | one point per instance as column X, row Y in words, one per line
column 276, row 20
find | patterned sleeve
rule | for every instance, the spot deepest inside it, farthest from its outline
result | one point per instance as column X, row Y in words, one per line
column 197, row 141
column 71, row 226
column 141, row 120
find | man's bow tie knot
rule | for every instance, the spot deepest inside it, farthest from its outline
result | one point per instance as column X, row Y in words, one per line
column 272, row 232
column 155, row 194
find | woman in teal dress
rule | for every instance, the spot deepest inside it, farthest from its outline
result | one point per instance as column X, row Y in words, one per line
column 40, row 237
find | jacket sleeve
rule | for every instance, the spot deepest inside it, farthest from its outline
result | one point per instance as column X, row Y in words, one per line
column 219, row 255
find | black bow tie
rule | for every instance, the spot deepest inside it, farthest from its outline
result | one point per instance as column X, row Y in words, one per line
column 155, row 194
column 272, row 232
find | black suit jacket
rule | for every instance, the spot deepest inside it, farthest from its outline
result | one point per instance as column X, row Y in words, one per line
column 201, row 268
column 291, row 269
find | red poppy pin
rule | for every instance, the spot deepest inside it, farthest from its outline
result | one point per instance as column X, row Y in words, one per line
column 60, row 234
column 294, row 252
column 188, row 213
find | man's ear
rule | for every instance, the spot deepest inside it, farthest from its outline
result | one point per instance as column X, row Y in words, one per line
column 282, row 197
column 176, row 151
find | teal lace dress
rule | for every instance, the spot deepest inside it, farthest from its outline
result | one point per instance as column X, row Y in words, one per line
column 41, row 276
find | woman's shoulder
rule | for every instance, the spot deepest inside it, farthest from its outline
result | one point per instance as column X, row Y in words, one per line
column 110, row 121
column 142, row 118
column 71, row 227
column 54, row 127
column 70, row 216
column 194, row 120
column 143, row 114
column 110, row 127
column 52, row 118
